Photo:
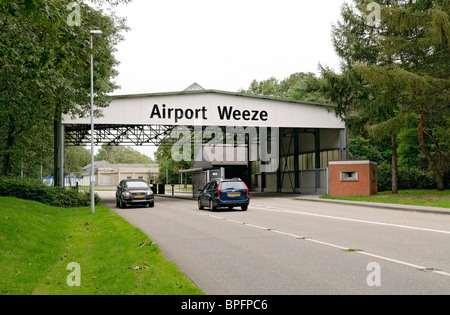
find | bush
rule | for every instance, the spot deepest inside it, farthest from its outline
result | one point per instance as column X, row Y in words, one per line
column 37, row 191
column 413, row 178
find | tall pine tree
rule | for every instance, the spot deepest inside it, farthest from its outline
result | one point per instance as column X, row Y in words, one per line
column 396, row 71
column 417, row 41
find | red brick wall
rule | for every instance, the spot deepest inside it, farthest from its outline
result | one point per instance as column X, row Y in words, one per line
column 374, row 184
column 364, row 185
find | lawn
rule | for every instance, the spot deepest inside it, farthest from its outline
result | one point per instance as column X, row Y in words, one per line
column 38, row 243
column 430, row 198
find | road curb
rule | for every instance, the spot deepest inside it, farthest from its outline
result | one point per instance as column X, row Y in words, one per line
column 389, row 206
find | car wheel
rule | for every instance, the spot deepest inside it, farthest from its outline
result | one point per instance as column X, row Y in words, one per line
column 200, row 207
column 151, row 204
column 121, row 204
column 117, row 202
column 211, row 206
column 244, row 208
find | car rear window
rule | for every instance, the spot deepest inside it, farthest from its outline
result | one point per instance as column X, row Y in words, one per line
column 232, row 185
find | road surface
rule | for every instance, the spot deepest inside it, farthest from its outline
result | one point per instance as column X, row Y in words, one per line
column 284, row 246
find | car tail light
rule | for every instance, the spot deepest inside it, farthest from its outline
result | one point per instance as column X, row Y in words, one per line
column 246, row 188
column 218, row 190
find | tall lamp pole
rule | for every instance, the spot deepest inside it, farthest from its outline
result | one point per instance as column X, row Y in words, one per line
column 92, row 180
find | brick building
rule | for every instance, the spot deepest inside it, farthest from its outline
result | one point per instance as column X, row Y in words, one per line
column 352, row 178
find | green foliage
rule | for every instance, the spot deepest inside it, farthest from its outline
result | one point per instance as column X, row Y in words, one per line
column 76, row 158
column 121, row 155
column 298, row 86
column 45, row 73
column 394, row 76
column 36, row 191
column 417, row 197
column 165, row 161
column 408, row 178
column 360, row 148
column 409, row 152
column 38, row 242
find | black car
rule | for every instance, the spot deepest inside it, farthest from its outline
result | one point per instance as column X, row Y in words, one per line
column 227, row 193
column 134, row 192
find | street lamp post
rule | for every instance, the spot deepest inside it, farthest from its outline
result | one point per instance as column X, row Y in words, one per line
column 92, row 180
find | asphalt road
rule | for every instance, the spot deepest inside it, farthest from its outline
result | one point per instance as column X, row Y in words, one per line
column 283, row 246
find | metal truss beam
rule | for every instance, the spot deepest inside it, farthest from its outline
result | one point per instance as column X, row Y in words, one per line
column 132, row 135
column 80, row 135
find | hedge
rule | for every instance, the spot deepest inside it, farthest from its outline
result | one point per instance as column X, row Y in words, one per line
column 37, row 191
column 408, row 178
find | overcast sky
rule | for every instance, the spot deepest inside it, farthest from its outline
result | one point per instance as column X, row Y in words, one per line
column 222, row 45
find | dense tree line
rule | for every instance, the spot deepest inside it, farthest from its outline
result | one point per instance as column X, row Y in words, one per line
column 393, row 88
column 45, row 73
column 395, row 77
column 121, row 155
column 298, row 86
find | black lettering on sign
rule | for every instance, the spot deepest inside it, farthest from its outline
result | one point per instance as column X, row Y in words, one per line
column 177, row 113
column 155, row 112
column 228, row 113
column 224, row 112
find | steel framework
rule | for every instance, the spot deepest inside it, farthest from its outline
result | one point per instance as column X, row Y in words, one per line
column 134, row 135
column 79, row 135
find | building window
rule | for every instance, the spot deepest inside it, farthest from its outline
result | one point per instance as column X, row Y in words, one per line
column 349, row 176
column 374, row 176
column 326, row 156
column 287, row 164
column 306, row 161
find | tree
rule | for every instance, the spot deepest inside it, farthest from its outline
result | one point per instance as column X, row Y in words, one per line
column 163, row 157
column 298, row 86
column 417, row 41
column 359, row 104
column 44, row 72
column 121, row 155
column 76, row 158
column 374, row 86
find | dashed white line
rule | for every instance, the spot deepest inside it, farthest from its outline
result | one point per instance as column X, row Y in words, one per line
column 327, row 243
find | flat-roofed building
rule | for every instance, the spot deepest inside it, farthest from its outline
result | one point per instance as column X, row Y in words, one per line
column 282, row 145
column 107, row 174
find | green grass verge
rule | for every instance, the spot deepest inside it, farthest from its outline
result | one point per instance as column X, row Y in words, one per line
column 38, row 242
column 429, row 198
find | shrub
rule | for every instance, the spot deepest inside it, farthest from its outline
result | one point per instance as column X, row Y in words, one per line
column 37, row 191
column 408, row 178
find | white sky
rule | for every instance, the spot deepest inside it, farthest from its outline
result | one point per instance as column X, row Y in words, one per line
column 222, row 45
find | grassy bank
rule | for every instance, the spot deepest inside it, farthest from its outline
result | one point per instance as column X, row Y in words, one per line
column 38, row 242
column 429, row 198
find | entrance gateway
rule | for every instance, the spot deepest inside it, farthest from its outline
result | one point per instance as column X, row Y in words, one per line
column 287, row 143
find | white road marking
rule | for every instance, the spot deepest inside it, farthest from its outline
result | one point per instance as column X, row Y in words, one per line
column 273, row 209
column 330, row 244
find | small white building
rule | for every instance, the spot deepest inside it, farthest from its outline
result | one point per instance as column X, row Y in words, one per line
column 107, row 174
